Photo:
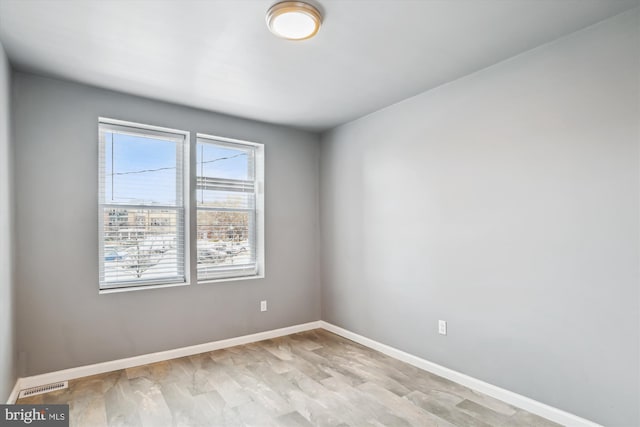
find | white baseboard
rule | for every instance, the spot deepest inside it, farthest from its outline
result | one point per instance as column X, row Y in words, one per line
column 130, row 362
column 554, row 414
column 549, row 412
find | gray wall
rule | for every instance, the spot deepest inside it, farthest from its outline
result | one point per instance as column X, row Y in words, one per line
column 506, row 203
column 62, row 321
column 7, row 338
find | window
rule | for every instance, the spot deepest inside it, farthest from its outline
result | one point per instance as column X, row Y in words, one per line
column 144, row 188
column 141, row 205
column 229, row 208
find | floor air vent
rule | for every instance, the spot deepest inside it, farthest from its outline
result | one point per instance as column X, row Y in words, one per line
column 43, row 389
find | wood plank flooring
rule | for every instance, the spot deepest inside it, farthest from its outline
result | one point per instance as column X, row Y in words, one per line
column 313, row 378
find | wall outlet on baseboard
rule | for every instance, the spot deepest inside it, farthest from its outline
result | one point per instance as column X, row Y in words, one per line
column 263, row 305
column 442, row 327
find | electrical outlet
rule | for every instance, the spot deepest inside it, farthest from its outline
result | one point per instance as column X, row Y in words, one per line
column 442, row 327
column 263, row 306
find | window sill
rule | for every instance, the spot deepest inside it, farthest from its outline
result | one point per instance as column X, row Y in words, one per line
column 229, row 279
column 140, row 288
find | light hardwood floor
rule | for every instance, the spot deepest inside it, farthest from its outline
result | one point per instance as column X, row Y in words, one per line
column 313, row 378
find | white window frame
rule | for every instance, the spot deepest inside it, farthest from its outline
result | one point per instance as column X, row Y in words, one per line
column 259, row 207
column 150, row 130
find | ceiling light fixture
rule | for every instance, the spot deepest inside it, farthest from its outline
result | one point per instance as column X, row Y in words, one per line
column 293, row 20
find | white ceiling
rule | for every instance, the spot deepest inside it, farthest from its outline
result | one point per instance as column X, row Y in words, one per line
column 219, row 55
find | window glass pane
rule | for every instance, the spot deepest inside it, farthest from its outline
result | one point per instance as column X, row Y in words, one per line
column 222, row 161
column 140, row 170
column 225, row 239
column 141, row 244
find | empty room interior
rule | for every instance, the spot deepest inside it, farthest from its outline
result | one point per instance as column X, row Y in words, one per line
column 320, row 213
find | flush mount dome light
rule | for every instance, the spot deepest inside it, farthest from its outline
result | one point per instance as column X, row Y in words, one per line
column 293, row 20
